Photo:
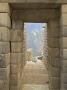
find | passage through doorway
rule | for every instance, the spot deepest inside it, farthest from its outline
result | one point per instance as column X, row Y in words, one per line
column 35, row 73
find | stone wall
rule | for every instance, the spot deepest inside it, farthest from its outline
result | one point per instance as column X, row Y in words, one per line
column 12, row 46
column 4, row 46
column 64, row 47
column 45, row 46
column 53, row 40
column 53, row 37
column 17, row 55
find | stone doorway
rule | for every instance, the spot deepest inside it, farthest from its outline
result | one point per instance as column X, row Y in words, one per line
column 28, row 12
column 52, row 17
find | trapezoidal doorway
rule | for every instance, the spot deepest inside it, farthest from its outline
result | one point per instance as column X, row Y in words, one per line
column 37, row 15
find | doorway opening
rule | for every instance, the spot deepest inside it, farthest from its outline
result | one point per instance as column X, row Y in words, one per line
column 35, row 73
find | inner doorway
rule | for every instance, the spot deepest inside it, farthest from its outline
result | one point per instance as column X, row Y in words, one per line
column 35, row 73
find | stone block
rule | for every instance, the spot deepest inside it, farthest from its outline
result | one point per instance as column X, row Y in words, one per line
column 42, row 1
column 14, row 87
column 36, row 1
column 4, row 60
column 54, row 89
column 53, row 71
column 14, row 79
column 15, row 69
column 5, row 20
column 64, row 31
column 55, row 62
column 64, row 67
column 53, row 52
column 4, row 7
column 4, row 85
column 17, row 24
column 4, row 73
column 64, row 40
column 64, row 55
column 64, row 78
column 16, row 58
column 53, row 42
column 54, row 23
column 51, row 32
column 4, row 34
column 4, row 47
column 16, row 47
column 16, row 35
column 64, row 87
column 64, row 8
column 64, row 18
column 54, row 83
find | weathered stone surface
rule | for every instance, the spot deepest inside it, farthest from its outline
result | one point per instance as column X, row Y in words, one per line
column 55, row 62
column 4, row 34
column 53, row 24
column 53, row 71
column 53, row 52
column 53, row 29
column 64, row 18
column 15, row 82
column 17, row 24
column 64, row 48
column 51, row 32
column 4, row 7
column 4, row 73
column 64, row 56
column 16, row 58
column 28, row 15
column 54, row 89
column 14, row 87
column 53, row 42
column 16, row 35
column 16, row 47
column 4, row 47
column 64, row 8
column 5, row 19
column 15, row 69
column 64, row 40
column 4, row 85
column 64, row 66
column 54, row 83
column 64, row 87
column 14, row 79
column 37, row 1
column 4, row 60
column 64, row 78
column 64, row 31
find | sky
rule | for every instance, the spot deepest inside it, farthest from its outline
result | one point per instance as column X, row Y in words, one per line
column 34, row 38
column 32, row 26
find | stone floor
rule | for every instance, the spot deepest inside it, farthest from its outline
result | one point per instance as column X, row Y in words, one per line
column 35, row 76
column 35, row 87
